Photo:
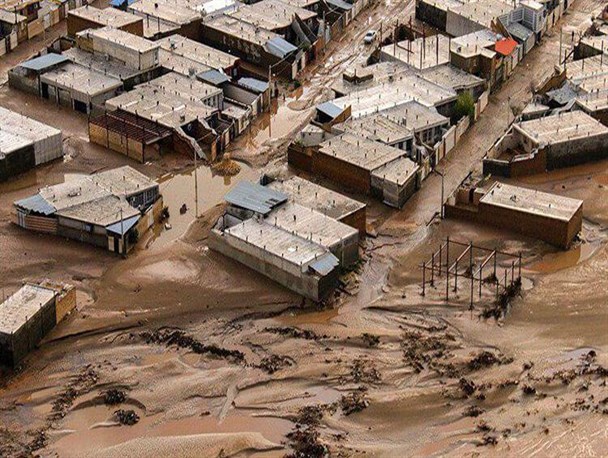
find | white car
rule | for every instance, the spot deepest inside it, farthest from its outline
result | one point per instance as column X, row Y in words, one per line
column 369, row 37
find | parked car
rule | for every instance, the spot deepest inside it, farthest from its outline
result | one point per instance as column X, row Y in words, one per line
column 370, row 37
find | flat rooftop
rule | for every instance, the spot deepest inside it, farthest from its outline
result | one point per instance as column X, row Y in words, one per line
column 598, row 101
column 108, row 16
column 421, row 53
column 123, row 181
column 11, row 18
column 377, row 127
column 359, row 151
column 595, row 83
column 22, row 126
column 175, row 13
column 156, row 105
column 474, row 43
column 17, row 309
column 101, row 64
column 184, row 87
column 416, row 116
column 277, row 242
column 180, row 64
column 272, row 14
column 561, row 128
column 584, row 68
column 241, row 29
column 392, row 94
column 360, row 78
column 323, row 200
column 311, row 225
column 531, row 201
column 11, row 142
column 122, row 38
column 452, row 77
column 398, row 171
column 81, row 80
column 483, row 12
column 198, row 52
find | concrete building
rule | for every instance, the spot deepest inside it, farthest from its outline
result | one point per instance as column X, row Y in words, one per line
column 357, row 79
column 396, row 181
column 79, row 88
column 549, row 217
column 253, row 44
column 378, row 127
column 26, row 76
column 390, row 95
column 479, row 15
column 163, row 18
column 298, row 264
column 421, row 53
column 211, row 58
column 28, row 315
column 547, row 143
column 110, row 209
column 295, row 245
column 135, row 51
column 26, row 143
column 89, row 17
column 426, row 123
column 323, row 200
column 349, row 161
column 186, row 106
column 296, row 25
column 456, row 79
column 105, row 65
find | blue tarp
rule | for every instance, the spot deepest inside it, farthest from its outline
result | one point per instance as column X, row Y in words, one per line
column 279, row 47
column 40, row 63
column 36, row 204
column 119, row 3
column 330, row 109
column 253, row 84
column 214, row 77
column 325, row 264
column 126, row 225
column 255, row 197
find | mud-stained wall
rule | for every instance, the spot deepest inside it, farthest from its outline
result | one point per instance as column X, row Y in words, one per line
column 356, row 220
column 64, row 304
column 78, row 24
column 556, row 232
column 341, row 172
column 309, row 286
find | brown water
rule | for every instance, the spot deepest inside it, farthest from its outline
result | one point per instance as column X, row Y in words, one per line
column 179, row 188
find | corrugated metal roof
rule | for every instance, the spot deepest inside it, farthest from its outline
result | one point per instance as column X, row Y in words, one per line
column 340, row 4
column 505, row 46
column 40, row 63
column 280, row 47
column 37, row 204
column 330, row 109
column 213, row 77
column 126, row 224
column 255, row 197
column 325, row 264
column 253, row 84
column 519, row 31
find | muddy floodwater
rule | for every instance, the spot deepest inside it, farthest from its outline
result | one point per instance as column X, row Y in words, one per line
column 178, row 189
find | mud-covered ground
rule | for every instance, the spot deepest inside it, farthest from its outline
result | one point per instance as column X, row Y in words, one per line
column 178, row 351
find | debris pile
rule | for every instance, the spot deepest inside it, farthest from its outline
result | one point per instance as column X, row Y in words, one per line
column 294, row 333
column 113, row 397
column 126, row 417
column 78, row 386
column 274, row 363
column 354, row 402
column 226, row 167
column 180, row 339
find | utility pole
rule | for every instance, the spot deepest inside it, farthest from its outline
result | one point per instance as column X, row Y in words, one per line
column 122, row 235
column 195, row 187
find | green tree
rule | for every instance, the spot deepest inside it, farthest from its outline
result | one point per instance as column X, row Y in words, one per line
column 465, row 105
